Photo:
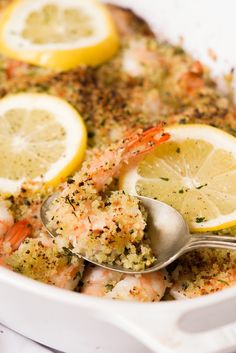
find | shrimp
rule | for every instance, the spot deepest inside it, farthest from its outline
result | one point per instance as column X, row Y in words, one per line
column 192, row 81
column 11, row 240
column 114, row 285
column 15, row 68
column 11, row 234
column 107, row 164
column 141, row 59
column 27, row 202
column 107, row 226
column 37, row 257
column 203, row 272
column 6, row 218
column 148, row 103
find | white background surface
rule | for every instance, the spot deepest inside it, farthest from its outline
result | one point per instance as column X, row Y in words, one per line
column 203, row 25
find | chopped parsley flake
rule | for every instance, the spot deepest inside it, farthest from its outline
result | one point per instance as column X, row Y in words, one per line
column 109, row 287
column 165, row 179
column 70, row 181
column 200, row 219
column 222, row 281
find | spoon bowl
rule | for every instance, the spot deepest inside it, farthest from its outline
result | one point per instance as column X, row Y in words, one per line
column 167, row 230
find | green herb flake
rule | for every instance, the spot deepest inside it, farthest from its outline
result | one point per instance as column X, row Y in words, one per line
column 165, row 179
column 222, row 281
column 109, row 287
column 178, row 150
column 200, row 219
column 181, row 191
column 70, row 180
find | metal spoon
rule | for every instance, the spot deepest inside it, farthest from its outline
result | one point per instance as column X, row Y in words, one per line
column 168, row 232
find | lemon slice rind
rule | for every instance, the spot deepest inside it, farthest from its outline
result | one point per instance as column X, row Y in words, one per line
column 92, row 50
column 65, row 116
column 220, row 140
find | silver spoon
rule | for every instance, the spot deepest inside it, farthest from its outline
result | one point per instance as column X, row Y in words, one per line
column 168, row 232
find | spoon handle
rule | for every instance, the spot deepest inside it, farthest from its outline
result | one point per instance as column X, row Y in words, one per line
column 211, row 241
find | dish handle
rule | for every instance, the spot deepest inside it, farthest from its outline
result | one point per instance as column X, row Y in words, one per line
column 189, row 326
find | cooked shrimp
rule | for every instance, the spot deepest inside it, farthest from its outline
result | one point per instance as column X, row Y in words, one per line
column 38, row 257
column 203, row 272
column 14, row 68
column 6, row 218
column 141, row 59
column 27, row 202
column 149, row 103
column 12, row 239
column 11, row 234
column 107, row 228
column 192, row 80
column 110, row 284
column 105, row 165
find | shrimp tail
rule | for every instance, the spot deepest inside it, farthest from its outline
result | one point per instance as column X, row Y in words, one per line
column 141, row 142
column 17, row 234
column 107, row 164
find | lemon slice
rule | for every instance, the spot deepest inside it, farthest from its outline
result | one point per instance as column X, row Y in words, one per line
column 58, row 34
column 42, row 139
column 195, row 172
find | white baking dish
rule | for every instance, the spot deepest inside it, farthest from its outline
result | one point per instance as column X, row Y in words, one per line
column 76, row 323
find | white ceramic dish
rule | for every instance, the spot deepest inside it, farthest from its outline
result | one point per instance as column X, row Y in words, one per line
column 75, row 323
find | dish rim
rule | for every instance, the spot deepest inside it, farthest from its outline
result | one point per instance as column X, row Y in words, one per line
column 65, row 296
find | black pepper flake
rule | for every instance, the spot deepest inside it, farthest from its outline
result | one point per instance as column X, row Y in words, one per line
column 70, row 201
column 201, row 186
column 183, row 121
column 185, row 285
column 11, row 198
